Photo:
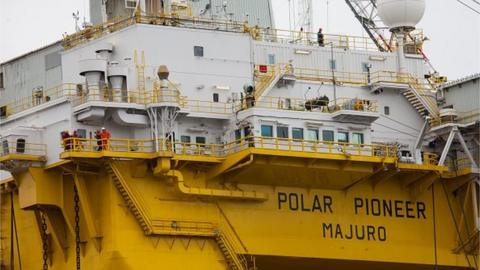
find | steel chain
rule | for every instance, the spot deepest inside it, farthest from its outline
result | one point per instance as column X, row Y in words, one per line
column 77, row 227
column 44, row 241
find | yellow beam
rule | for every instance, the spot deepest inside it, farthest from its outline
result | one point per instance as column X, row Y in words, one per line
column 228, row 163
column 22, row 157
column 87, row 210
column 222, row 193
column 114, row 154
column 422, row 167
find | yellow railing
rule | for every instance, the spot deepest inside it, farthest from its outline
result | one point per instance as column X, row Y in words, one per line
column 311, row 74
column 8, row 147
column 222, row 150
column 354, row 104
column 117, row 24
column 115, row 145
column 264, row 78
column 430, row 158
column 311, row 38
column 458, row 164
column 39, row 97
column 463, row 118
column 202, row 106
column 257, row 33
column 312, row 105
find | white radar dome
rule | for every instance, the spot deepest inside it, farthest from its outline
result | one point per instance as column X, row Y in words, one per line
column 401, row 13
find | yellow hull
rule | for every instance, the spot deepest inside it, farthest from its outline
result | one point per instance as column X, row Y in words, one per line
column 134, row 217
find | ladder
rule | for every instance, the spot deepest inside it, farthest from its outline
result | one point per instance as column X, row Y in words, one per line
column 130, row 197
column 421, row 96
column 234, row 260
column 267, row 81
column 140, row 67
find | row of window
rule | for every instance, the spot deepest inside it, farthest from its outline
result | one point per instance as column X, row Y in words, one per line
column 313, row 134
column 188, row 139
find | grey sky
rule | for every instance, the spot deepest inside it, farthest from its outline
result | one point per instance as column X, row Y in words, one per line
column 453, row 30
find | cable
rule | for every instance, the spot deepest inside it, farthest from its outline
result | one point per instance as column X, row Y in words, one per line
column 474, row 10
column 476, row 2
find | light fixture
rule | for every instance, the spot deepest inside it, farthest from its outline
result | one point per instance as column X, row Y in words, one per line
column 304, row 52
column 222, row 87
column 377, row 58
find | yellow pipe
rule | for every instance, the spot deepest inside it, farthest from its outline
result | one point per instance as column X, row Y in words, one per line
column 239, row 166
column 221, row 193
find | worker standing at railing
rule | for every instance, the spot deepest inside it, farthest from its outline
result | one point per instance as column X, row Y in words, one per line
column 98, row 137
column 66, row 140
column 320, row 38
column 105, row 136
column 75, row 141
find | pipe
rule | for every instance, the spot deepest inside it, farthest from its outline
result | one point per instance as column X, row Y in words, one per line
column 93, row 84
column 219, row 193
column 239, row 166
column 117, row 83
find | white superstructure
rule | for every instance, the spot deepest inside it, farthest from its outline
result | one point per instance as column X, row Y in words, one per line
column 342, row 91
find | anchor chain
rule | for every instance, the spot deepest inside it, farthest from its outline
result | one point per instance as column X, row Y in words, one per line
column 44, row 242
column 77, row 227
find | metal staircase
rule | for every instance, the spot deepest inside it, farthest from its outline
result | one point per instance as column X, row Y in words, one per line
column 267, row 81
column 223, row 233
column 130, row 197
column 421, row 96
column 234, row 260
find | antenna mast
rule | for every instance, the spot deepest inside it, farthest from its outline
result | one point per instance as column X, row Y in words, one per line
column 304, row 17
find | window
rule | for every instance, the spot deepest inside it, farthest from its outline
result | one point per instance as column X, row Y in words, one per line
column 312, row 134
column 342, row 137
column 82, row 133
column 238, row 134
column 357, row 138
column 130, row 4
column 282, row 132
column 198, row 51
column 271, row 59
column 185, row 139
column 386, row 110
column 215, row 97
column 297, row 133
column 333, row 64
column 20, row 145
column 267, row 131
column 328, row 136
column 201, row 140
column 1, row 80
column 3, row 111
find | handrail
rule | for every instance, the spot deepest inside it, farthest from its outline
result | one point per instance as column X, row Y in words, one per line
column 78, row 94
column 463, row 118
column 312, row 104
column 222, row 150
column 8, row 147
column 257, row 33
column 39, row 97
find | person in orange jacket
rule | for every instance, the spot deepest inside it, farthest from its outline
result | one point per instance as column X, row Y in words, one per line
column 105, row 135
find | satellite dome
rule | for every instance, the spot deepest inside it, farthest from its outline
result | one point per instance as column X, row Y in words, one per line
column 401, row 13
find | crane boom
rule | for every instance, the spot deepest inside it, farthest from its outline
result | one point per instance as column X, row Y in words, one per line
column 366, row 13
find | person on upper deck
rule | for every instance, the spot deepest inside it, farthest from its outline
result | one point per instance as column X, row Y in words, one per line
column 105, row 136
column 320, row 38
